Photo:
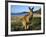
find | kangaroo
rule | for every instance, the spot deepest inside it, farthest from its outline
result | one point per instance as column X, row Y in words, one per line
column 26, row 19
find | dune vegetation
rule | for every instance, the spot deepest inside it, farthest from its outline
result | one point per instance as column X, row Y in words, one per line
column 17, row 25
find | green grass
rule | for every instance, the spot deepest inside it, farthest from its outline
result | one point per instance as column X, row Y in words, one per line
column 35, row 25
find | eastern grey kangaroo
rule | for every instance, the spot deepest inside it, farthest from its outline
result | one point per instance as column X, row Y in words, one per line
column 25, row 19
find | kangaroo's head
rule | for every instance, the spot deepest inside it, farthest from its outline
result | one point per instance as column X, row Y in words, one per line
column 31, row 9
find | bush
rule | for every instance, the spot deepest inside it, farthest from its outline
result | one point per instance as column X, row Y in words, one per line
column 36, row 25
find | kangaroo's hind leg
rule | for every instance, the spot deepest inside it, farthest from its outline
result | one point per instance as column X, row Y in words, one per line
column 24, row 24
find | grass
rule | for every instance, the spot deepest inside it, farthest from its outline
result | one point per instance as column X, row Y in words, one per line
column 35, row 25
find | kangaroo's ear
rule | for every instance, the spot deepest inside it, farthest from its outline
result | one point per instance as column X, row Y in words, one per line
column 32, row 8
column 29, row 8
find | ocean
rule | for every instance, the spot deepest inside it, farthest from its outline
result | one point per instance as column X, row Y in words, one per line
column 18, row 14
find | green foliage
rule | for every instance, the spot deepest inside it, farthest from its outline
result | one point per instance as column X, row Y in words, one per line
column 35, row 25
